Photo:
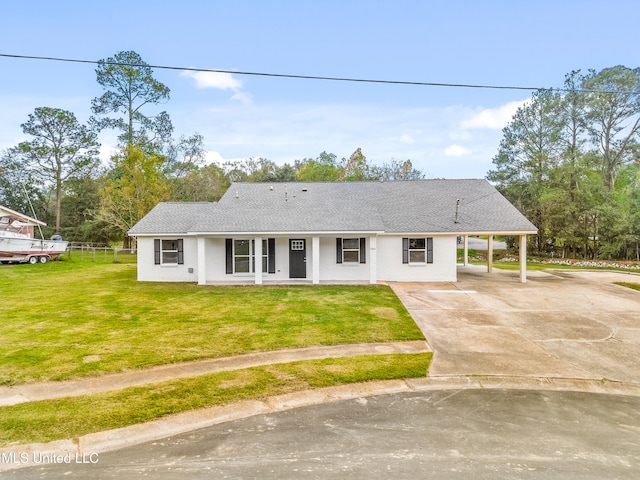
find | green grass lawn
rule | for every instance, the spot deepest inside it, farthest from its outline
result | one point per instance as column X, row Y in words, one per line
column 72, row 417
column 634, row 286
column 77, row 318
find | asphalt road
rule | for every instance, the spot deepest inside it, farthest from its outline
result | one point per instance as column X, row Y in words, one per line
column 445, row 434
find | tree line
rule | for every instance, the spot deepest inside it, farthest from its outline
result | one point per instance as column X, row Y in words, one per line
column 59, row 170
column 570, row 161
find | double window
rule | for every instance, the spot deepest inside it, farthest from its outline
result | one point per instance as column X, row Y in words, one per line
column 241, row 256
column 351, row 250
column 168, row 251
column 417, row 250
column 244, row 260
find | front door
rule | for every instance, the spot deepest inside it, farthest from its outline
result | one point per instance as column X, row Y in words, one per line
column 297, row 258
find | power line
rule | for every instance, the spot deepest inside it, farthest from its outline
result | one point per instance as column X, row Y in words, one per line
column 305, row 77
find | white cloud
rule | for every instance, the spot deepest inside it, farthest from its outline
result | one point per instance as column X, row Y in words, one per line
column 457, row 151
column 408, row 139
column 213, row 157
column 493, row 118
column 242, row 97
column 222, row 81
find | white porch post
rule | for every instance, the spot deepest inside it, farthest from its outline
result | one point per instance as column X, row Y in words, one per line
column 490, row 254
column 466, row 250
column 523, row 258
column 202, row 261
column 373, row 260
column 257, row 255
column 315, row 259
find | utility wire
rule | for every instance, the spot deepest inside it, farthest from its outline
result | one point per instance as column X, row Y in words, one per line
column 307, row 77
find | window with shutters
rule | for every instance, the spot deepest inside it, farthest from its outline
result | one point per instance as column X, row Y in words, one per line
column 351, row 250
column 417, row 251
column 244, row 260
column 169, row 251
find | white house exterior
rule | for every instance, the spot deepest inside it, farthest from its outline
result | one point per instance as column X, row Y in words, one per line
column 348, row 232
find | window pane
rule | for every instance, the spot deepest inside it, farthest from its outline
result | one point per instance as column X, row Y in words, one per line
column 241, row 264
column 265, row 246
column 416, row 256
column 416, row 243
column 350, row 256
column 169, row 245
column 351, row 243
column 264, row 264
column 169, row 257
column 241, row 247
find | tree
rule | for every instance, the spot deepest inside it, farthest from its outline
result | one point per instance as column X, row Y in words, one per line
column 324, row 168
column 528, row 153
column 18, row 186
column 206, row 184
column 136, row 184
column 185, row 156
column 397, row 170
column 356, row 168
column 61, row 149
column 613, row 111
column 130, row 86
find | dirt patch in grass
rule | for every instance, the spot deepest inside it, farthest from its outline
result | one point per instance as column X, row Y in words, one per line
column 387, row 313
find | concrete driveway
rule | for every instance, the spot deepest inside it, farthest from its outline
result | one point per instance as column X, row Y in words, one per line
column 565, row 324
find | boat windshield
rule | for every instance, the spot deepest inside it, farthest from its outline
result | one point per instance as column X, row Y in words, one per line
column 12, row 224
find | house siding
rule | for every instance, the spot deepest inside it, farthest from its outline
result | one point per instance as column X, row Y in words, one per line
column 332, row 271
column 389, row 265
column 391, row 268
column 149, row 272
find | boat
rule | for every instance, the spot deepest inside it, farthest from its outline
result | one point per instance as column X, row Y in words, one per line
column 17, row 242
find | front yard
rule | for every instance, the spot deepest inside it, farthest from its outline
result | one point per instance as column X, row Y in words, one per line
column 77, row 318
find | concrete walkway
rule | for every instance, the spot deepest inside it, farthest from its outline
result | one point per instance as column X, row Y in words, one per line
column 117, row 381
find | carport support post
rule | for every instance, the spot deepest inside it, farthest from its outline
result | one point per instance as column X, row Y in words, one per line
column 466, row 250
column 490, row 254
column 523, row 258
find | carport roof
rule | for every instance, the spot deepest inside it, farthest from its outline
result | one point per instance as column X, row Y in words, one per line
column 421, row 206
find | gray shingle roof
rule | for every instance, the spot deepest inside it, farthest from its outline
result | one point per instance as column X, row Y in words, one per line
column 423, row 206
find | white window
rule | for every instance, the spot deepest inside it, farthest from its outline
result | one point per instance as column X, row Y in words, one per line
column 244, row 256
column 168, row 251
column 417, row 251
column 350, row 250
column 297, row 244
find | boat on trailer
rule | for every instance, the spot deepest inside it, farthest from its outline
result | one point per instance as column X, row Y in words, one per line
column 17, row 243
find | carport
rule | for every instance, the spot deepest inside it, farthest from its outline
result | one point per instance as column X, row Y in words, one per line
column 522, row 249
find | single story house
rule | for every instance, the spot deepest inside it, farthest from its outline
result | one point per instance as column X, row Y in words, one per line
column 342, row 232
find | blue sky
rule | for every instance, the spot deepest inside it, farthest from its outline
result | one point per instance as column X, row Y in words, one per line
column 446, row 132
